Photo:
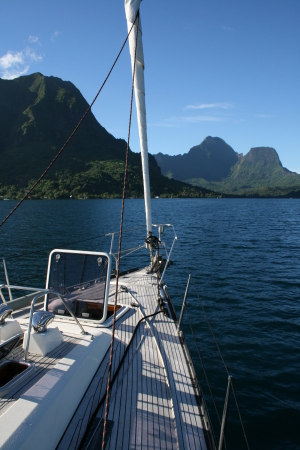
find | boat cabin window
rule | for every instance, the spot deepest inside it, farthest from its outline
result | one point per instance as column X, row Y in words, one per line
column 81, row 279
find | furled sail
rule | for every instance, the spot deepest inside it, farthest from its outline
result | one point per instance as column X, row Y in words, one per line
column 131, row 9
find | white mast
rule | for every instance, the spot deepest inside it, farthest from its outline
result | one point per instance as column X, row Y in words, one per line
column 131, row 9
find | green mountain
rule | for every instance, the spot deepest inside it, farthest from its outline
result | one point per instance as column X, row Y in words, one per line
column 211, row 160
column 215, row 165
column 37, row 115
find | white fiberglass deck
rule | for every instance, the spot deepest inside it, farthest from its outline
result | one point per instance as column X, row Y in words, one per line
column 154, row 402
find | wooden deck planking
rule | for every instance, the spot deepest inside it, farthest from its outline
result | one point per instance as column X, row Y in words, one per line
column 158, row 380
column 194, row 425
column 118, row 403
column 120, row 390
column 168, row 413
column 175, row 379
column 179, row 377
column 99, row 383
column 125, row 435
column 148, row 303
column 160, row 342
column 162, row 423
column 185, row 394
column 150, row 429
column 153, row 401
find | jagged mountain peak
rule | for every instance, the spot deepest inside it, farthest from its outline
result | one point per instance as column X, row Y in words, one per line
column 212, row 160
column 215, row 165
column 267, row 154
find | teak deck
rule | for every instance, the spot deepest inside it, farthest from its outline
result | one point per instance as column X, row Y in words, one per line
column 154, row 401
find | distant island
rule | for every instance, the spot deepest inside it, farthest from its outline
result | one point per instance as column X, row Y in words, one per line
column 215, row 165
column 37, row 115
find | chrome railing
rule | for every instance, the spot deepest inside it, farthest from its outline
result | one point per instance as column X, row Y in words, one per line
column 42, row 292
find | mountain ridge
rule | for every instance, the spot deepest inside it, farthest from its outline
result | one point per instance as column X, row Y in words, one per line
column 37, row 115
column 211, row 160
column 260, row 171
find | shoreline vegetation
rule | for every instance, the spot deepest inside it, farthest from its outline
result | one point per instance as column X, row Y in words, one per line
column 52, row 190
column 39, row 113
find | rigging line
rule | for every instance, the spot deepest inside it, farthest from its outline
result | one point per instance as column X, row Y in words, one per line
column 39, row 252
column 217, row 345
column 206, row 317
column 71, row 135
column 198, row 351
column 203, row 368
column 127, row 231
column 24, row 281
column 240, row 416
column 131, row 250
column 120, row 244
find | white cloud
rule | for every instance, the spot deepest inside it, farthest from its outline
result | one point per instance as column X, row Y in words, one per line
column 32, row 56
column 55, row 35
column 11, row 59
column 226, row 105
column 14, row 73
column 15, row 64
column 196, row 119
column 177, row 121
column 212, row 112
column 34, row 40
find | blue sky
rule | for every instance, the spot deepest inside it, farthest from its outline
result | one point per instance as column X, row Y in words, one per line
column 228, row 69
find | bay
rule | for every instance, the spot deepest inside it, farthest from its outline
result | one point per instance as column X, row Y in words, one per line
column 243, row 257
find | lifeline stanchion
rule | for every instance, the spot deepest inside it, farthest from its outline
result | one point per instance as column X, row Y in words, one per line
column 7, row 280
column 224, row 417
column 183, row 304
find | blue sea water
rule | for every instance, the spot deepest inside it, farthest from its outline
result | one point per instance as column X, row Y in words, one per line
column 243, row 257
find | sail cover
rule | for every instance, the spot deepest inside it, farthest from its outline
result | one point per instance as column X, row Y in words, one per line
column 131, row 9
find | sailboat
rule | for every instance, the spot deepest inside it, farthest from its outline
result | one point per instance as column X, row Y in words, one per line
column 98, row 358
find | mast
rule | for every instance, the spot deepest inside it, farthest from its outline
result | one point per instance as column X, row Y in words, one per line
column 131, row 10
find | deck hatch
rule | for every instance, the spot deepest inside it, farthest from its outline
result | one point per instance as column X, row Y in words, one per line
column 13, row 373
column 82, row 279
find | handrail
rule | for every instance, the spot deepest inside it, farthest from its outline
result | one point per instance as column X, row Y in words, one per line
column 2, row 297
column 42, row 292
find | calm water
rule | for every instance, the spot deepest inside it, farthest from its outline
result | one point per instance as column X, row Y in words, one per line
column 244, row 259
